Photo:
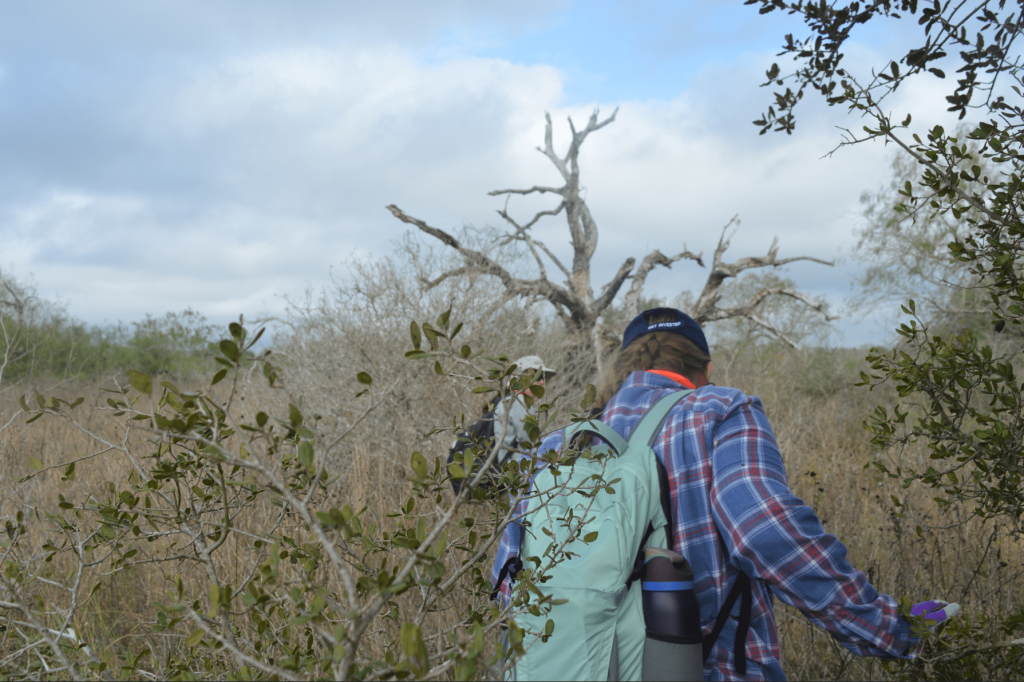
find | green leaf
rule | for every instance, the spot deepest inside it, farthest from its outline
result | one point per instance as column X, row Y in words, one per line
column 35, row 463
column 140, row 381
column 306, row 455
column 589, row 397
column 230, row 350
column 419, row 465
column 549, row 627
column 515, row 634
column 256, row 338
column 214, row 598
column 414, row 332
column 364, row 378
column 326, row 519
column 218, row 377
column 195, row 638
column 294, row 415
column 431, row 335
column 590, row 537
column 441, row 545
column 411, row 637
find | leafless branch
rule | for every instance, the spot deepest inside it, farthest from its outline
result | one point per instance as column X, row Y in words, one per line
column 481, row 263
column 772, row 329
column 535, row 188
column 651, row 261
column 448, row 274
column 614, row 284
column 706, row 308
column 521, row 234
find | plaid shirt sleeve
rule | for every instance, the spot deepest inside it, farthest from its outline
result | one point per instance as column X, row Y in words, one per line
column 773, row 536
column 512, row 538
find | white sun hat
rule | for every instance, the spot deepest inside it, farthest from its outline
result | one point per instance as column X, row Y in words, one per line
column 533, row 362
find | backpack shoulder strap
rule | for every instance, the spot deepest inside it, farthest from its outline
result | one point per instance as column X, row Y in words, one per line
column 598, row 428
column 649, row 427
column 646, row 432
column 740, row 590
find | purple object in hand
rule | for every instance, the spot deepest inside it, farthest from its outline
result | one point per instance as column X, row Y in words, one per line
column 935, row 611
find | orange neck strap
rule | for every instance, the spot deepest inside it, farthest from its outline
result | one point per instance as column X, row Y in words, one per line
column 678, row 378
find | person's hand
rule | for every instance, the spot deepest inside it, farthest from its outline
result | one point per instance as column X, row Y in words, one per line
column 935, row 612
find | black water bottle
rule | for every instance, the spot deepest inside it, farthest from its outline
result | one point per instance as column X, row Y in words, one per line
column 673, row 648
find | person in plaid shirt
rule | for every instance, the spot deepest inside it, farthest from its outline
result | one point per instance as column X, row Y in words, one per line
column 733, row 510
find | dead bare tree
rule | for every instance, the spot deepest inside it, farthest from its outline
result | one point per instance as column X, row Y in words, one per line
column 574, row 300
column 706, row 309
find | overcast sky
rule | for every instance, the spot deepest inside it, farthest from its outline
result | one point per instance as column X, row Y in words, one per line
column 222, row 155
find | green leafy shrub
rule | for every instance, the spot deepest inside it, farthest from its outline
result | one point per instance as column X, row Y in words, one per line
column 178, row 345
column 270, row 571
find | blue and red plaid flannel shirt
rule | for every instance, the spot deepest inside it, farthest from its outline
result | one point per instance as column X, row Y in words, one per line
column 733, row 510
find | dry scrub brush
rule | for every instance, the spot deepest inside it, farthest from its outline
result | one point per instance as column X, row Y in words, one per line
column 362, row 324
column 258, row 560
column 298, row 535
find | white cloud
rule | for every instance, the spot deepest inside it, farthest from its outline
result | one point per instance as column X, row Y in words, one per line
column 224, row 180
column 290, row 158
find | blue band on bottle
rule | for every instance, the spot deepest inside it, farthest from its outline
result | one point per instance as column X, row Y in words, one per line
column 667, row 587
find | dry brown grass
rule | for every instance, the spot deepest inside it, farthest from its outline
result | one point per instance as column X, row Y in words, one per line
column 808, row 397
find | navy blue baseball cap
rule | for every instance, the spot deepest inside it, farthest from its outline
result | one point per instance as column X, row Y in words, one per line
column 676, row 322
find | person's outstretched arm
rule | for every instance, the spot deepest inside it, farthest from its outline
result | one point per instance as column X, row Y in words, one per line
column 773, row 536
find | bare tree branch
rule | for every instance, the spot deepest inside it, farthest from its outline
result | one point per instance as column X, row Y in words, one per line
column 612, row 288
column 705, row 309
column 522, row 235
column 816, row 305
column 535, row 188
column 480, row 263
column 457, row 272
column 748, row 311
column 772, row 330
column 651, row 261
